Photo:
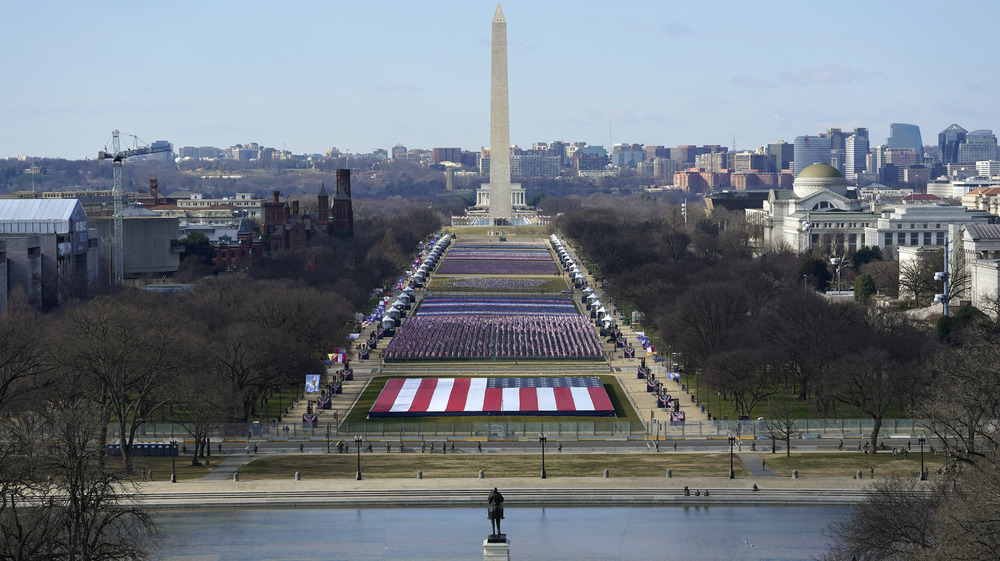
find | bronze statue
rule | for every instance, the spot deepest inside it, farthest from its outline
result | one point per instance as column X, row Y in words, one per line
column 495, row 512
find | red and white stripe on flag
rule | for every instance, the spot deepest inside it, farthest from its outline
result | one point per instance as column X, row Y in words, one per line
column 471, row 396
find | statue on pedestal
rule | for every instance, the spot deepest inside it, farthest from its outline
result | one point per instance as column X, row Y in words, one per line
column 495, row 514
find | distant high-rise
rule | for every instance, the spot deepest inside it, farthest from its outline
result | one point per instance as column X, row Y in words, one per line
column 501, row 210
column 780, row 156
column 810, row 150
column 856, row 153
column 902, row 135
column 948, row 141
column 980, row 145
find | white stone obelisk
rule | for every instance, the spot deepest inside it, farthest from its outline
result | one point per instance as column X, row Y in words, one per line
column 500, row 201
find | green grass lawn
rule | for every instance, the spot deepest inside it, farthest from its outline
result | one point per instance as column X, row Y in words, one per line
column 378, row 465
column 846, row 464
column 160, row 467
column 557, row 464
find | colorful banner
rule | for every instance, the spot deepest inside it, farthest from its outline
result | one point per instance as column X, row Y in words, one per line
column 312, row 383
column 338, row 356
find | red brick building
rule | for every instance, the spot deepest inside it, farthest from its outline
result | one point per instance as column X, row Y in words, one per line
column 751, row 180
column 240, row 253
column 287, row 229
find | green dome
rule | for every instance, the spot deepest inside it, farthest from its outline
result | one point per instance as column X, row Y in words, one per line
column 821, row 171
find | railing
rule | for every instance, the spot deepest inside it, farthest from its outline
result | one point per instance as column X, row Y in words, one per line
column 606, row 428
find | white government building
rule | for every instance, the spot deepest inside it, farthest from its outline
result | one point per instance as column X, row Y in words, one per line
column 823, row 211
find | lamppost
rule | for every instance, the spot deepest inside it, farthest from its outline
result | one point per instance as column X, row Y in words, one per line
column 943, row 276
column 328, row 438
column 836, row 262
column 357, row 440
column 173, row 459
column 923, row 474
column 542, row 438
column 732, row 472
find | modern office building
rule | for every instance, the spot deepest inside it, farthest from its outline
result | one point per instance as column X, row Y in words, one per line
column 810, row 150
column 902, row 135
column 855, row 153
column 748, row 162
column 988, row 168
column 50, row 247
column 713, row 162
column 439, row 155
column 627, row 155
column 979, row 145
column 948, row 141
column 780, row 156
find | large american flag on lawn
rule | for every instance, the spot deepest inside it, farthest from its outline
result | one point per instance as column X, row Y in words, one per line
column 417, row 397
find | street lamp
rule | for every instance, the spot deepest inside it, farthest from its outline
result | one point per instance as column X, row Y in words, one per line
column 173, row 459
column 357, row 440
column 923, row 474
column 732, row 472
column 836, row 262
column 542, row 438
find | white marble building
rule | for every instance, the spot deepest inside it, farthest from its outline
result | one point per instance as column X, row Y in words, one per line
column 822, row 211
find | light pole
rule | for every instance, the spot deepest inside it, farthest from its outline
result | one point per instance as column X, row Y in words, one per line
column 173, row 459
column 732, row 472
column 836, row 262
column 328, row 438
column 542, row 438
column 923, row 474
column 357, row 440
column 943, row 276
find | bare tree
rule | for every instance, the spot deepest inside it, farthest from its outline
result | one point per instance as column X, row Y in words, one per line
column 780, row 424
column 23, row 367
column 966, row 399
column 916, row 278
column 58, row 502
column 129, row 346
column 873, row 382
column 746, row 373
column 896, row 521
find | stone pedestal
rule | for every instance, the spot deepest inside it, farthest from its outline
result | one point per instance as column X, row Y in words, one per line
column 496, row 549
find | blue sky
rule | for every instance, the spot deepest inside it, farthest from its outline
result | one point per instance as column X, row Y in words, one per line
column 360, row 75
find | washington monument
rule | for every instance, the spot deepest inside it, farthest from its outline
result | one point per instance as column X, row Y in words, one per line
column 500, row 200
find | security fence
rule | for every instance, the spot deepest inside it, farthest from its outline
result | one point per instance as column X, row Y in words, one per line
column 503, row 430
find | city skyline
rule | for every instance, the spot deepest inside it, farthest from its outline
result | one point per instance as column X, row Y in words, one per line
column 359, row 76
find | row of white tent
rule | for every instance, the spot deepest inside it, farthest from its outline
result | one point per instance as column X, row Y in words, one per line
column 404, row 301
column 567, row 262
column 589, row 297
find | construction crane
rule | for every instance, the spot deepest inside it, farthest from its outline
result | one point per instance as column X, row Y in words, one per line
column 118, row 156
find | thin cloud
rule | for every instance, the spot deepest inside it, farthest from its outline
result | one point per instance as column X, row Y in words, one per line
column 398, row 88
column 752, row 82
column 825, row 75
column 676, row 28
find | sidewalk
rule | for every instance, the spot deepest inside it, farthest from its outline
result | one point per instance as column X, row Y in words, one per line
column 227, row 467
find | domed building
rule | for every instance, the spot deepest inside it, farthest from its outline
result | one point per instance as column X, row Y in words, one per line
column 818, row 177
column 820, row 209
column 823, row 212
